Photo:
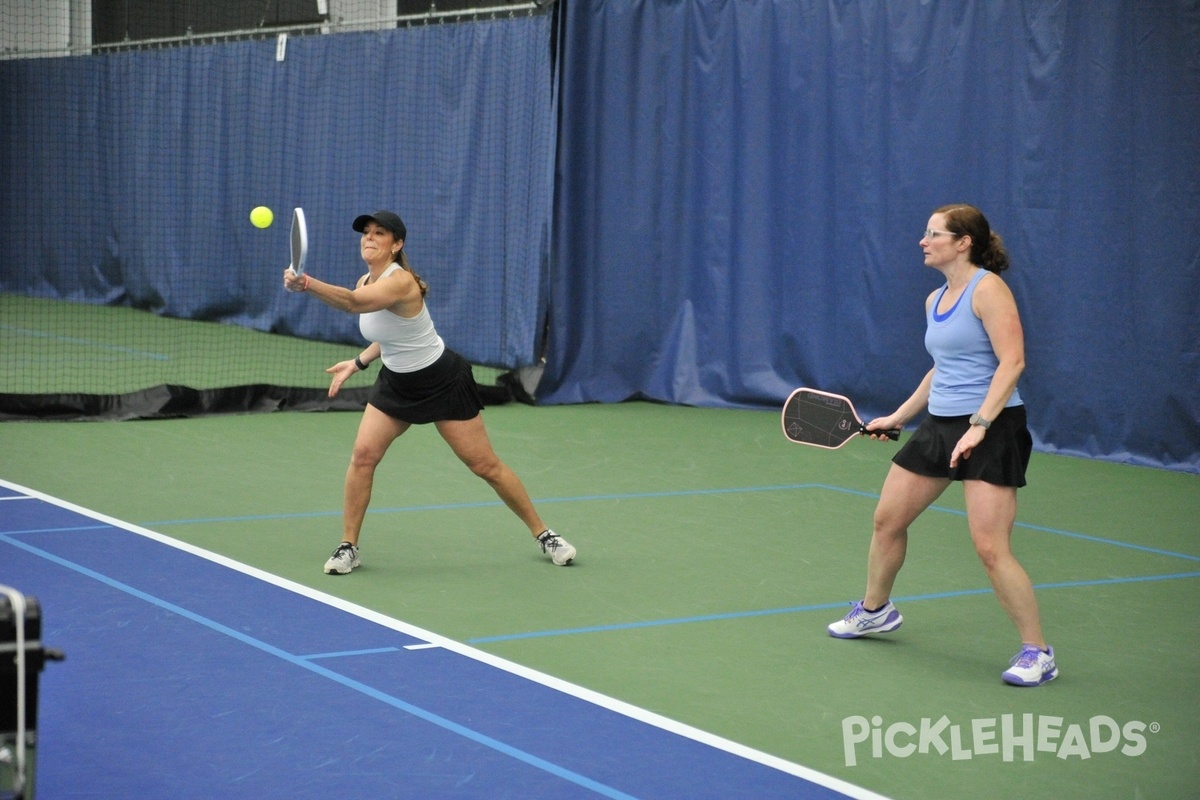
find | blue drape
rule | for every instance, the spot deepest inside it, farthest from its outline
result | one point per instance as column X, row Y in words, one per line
column 737, row 198
column 128, row 177
column 742, row 186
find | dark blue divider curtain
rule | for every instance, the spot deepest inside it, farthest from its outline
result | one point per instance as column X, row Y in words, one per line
column 742, row 186
column 128, row 177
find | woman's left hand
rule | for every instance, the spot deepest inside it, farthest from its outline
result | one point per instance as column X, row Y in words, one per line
column 340, row 372
column 969, row 441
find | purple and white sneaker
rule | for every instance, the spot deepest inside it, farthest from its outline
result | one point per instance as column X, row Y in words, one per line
column 1033, row 666
column 860, row 622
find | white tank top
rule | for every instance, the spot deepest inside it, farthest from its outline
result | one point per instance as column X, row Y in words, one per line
column 406, row 344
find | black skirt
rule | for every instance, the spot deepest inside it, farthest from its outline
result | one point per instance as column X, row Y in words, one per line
column 444, row 390
column 1001, row 458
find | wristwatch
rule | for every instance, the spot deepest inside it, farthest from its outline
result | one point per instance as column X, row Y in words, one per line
column 980, row 421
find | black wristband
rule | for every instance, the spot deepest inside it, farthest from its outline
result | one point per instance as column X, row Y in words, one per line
column 358, row 363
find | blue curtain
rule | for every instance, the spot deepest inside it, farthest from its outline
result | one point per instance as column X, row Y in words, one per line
column 742, row 186
column 128, row 177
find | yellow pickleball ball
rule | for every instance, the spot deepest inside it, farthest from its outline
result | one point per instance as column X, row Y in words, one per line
column 262, row 217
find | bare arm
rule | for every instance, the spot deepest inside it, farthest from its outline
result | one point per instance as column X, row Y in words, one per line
column 344, row 369
column 996, row 308
column 398, row 292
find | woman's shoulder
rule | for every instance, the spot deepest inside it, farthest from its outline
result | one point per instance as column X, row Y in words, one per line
column 992, row 293
column 989, row 283
column 409, row 300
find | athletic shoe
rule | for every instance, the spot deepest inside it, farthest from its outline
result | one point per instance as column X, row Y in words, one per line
column 860, row 622
column 1031, row 667
column 558, row 548
column 344, row 559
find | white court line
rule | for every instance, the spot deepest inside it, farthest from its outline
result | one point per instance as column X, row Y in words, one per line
column 436, row 640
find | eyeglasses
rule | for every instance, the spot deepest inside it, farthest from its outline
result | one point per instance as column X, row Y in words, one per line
column 932, row 234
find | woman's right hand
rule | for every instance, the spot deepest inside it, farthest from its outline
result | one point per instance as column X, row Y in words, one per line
column 877, row 428
column 293, row 282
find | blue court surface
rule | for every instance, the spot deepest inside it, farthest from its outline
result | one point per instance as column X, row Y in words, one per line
column 192, row 676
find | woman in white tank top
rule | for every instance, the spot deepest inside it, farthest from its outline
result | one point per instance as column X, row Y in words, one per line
column 420, row 381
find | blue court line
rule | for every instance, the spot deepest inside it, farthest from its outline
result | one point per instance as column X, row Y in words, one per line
column 85, row 343
column 304, row 663
column 762, row 612
column 496, row 503
column 622, row 626
column 649, row 495
column 61, row 529
column 734, row 614
column 1114, row 542
column 307, row 514
column 738, row 614
column 1073, row 535
column 348, row 653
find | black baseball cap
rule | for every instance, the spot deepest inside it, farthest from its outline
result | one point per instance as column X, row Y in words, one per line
column 385, row 218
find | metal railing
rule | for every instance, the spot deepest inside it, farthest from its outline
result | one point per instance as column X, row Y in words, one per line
column 430, row 17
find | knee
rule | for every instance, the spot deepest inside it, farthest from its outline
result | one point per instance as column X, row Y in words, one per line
column 365, row 458
column 490, row 469
column 990, row 556
column 886, row 529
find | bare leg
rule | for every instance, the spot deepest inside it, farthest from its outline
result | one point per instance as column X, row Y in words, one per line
column 376, row 432
column 469, row 441
column 991, row 512
column 904, row 496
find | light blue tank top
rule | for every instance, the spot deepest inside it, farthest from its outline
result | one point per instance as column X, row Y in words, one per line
column 406, row 344
column 963, row 359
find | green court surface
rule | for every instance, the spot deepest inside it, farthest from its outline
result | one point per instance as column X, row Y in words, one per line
column 712, row 553
column 113, row 350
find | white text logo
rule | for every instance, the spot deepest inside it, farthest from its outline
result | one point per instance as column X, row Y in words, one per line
column 1009, row 737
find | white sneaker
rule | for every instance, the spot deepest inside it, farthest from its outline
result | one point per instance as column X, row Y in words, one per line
column 860, row 622
column 344, row 559
column 559, row 549
column 1033, row 666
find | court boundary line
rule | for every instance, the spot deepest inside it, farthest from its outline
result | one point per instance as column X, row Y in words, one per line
column 93, row 343
column 652, row 495
column 460, row 648
column 766, row 612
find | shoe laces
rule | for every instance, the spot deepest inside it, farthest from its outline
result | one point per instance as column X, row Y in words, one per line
column 1027, row 657
column 549, row 541
column 344, row 549
column 860, row 610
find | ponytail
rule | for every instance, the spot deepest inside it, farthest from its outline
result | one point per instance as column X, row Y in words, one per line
column 994, row 257
column 402, row 260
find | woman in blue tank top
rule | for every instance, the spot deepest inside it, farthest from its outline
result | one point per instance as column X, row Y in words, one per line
column 975, row 432
column 420, row 381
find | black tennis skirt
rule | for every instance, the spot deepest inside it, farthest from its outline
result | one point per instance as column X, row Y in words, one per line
column 1001, row 458
column 444, row 390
